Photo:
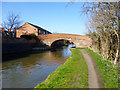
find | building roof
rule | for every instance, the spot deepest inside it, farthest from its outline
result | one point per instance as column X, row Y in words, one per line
column 38, row 27
column 34, row 25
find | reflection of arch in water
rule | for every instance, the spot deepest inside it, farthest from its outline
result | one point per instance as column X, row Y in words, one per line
column 61, row 42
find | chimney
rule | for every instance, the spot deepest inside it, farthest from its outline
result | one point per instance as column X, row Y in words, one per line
column 2, row 29
column 9, row 29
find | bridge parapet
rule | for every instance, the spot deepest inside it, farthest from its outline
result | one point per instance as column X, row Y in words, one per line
column 78, row 40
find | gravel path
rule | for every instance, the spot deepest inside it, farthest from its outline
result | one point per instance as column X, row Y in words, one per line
column 94, row 79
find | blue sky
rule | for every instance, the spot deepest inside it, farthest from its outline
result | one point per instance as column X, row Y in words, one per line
column 52, row 16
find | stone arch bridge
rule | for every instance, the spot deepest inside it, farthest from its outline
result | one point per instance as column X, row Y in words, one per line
column 78, row 40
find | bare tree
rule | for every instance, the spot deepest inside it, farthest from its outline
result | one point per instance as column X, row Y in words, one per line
column 12, row 21
column 104, row 26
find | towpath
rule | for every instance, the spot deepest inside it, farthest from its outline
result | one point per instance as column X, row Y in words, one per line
column 94, row 79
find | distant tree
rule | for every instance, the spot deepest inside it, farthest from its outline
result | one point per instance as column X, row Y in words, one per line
column 12, row 21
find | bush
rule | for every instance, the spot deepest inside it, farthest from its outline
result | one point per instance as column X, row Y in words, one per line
column 29, row 37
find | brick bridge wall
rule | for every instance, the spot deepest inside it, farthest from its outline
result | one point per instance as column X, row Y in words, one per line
column 78, row 40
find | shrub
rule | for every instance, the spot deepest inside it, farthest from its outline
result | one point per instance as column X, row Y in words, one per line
column 29, row 37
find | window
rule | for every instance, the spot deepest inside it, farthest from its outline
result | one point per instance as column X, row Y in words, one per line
column 26, row 31
column 44, row 33
column 39, row 31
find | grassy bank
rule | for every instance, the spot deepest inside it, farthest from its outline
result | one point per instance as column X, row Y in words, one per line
column 108, row 71
column 72, row 74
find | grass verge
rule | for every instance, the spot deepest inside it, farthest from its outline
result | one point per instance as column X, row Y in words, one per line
column 108, row 71
column 72, row 74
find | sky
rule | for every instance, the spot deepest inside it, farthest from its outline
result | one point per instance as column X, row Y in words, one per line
column 52, row 16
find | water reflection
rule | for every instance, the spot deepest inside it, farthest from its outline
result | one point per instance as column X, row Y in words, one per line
column 27, row 72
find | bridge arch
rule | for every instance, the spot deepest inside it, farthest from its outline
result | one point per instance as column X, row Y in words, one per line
column 57, row 40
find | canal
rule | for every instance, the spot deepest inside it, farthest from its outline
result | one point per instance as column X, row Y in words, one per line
column 27, row 72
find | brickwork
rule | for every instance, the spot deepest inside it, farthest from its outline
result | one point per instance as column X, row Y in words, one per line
column 29, row 28
column 78, row 40
column 26, row 29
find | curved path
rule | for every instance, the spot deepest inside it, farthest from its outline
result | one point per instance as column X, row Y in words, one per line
column 94, row 79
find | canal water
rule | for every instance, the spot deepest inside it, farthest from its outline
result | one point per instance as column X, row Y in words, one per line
column 27, row 72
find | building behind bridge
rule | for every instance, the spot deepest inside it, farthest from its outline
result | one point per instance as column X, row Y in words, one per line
column 29, row 28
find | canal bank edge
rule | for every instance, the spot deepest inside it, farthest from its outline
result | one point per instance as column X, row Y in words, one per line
column 72, row 74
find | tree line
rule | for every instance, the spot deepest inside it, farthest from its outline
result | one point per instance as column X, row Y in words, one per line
column 104, row 28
